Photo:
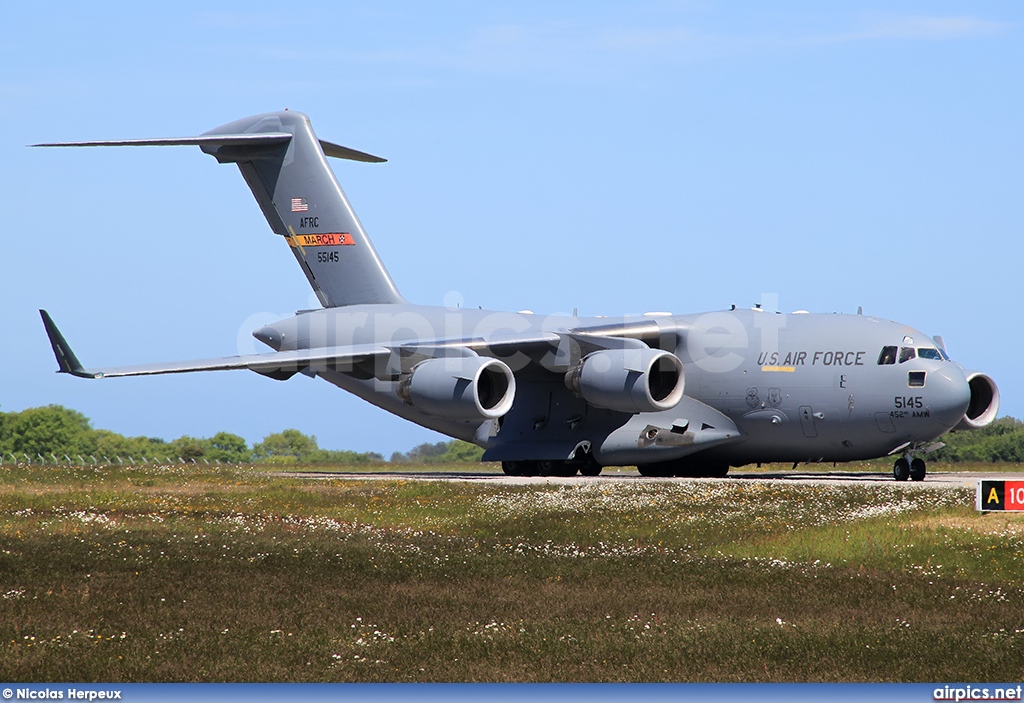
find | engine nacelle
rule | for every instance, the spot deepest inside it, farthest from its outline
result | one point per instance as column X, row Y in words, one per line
column 984, row 402
column 628, row 380
column 460, row 388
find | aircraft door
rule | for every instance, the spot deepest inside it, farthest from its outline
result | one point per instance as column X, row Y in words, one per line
column 807, row 421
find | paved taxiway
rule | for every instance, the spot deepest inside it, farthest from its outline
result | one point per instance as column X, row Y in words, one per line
column 939, row 478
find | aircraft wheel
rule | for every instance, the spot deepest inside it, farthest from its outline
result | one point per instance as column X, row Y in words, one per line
column 591, row 468
column 917, row 470
column 514, row 468
column 520, row 468
column 552, row 467
column 901, row 470
column 720, row 471
column 654, row 470
column 565, row 468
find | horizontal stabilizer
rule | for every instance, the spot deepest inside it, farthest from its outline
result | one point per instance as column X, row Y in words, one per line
column 343, row 152
column 210, row 140
column 216, row 140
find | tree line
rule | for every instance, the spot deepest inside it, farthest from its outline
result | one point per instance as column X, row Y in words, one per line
column 40, row 434
column 55, row 431
column 1003, row 440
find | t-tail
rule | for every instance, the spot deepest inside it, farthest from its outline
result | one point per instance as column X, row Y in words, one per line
column 285, row 166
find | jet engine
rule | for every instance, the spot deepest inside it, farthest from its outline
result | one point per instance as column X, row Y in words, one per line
column 628, row 380
column 460, row 388
column 984, row 402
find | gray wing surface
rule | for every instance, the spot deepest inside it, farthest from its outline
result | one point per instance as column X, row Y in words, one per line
column 285, row 363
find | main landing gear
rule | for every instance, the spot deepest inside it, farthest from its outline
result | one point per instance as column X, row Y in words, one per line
column 684, row 469
column 909, row 466
column 551, row 467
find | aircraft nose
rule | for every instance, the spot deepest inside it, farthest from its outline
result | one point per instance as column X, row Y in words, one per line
column 948, row 395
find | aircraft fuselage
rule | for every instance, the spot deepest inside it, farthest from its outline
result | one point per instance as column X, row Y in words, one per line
column 795, row 387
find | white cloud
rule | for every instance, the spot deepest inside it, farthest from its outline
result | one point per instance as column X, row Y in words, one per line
column 922, row 27
column 594, row 50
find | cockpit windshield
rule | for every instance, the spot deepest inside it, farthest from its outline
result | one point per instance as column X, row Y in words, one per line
column 889, row 355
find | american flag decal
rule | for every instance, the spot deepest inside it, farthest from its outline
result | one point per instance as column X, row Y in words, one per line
column 299, row 205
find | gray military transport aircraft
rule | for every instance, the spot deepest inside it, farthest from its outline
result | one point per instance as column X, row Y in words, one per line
column 557, row 395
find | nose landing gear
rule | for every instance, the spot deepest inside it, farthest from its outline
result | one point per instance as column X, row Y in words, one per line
column 909, row 466
column 917, row 469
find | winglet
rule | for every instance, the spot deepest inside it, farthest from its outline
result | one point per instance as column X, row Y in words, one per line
column 66, row 359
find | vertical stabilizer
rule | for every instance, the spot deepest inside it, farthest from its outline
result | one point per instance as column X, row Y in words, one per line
column 303, row 202
column 286, row 168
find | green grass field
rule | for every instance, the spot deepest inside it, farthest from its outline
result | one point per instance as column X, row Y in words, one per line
column 196, row 574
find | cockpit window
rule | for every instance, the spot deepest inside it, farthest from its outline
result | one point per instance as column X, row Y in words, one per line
column 929, row 353
column 906, row 354
column 888, row 356
column 945, row 356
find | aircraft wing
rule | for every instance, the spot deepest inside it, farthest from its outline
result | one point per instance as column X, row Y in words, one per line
column 274, row 364
column 284, row 364
column 557, row 349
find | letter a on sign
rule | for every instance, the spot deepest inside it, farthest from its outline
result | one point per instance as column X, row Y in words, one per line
column 990, row 495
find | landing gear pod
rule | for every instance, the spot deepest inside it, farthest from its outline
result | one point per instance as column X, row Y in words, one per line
column 628, row 380
column 460, row 388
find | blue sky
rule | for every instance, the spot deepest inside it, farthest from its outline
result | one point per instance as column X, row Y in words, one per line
column 610, row 157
